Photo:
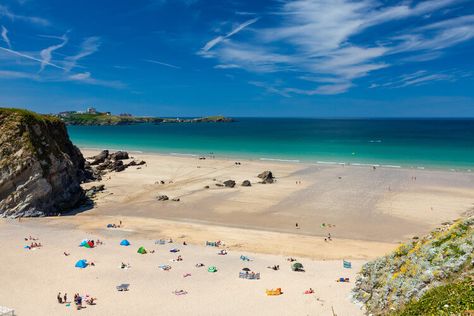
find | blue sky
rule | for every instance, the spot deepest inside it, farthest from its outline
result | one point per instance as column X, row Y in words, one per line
column 305, row 58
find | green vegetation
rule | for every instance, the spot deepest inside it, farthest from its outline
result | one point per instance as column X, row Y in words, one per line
column 450, row 299
column 105, row 119
column 29, row 116
column 417, row 273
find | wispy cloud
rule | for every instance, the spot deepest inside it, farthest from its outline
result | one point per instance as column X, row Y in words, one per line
column 9, row 74
column 317, row 39
column 47, row 53
column 220, row 38
column 88, row 47
column 419, row 78
column 161, row 63
column 86, row 77
column 226, row 66
column 5, row 36
column 20, row 54
column 4, row 11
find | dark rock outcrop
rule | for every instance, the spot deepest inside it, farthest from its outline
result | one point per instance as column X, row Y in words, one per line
column 106, row 162
column 267, row 177
column 100, row 158
column 162, row 198
column 119, row 155
column 229, row 183
column 40, row 169
column 246, row 183
column 92, row 191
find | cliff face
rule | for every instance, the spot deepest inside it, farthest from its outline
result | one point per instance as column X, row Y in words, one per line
column 40, row 169
column 415, row 271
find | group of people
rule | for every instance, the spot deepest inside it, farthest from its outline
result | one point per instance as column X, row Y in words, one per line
column 77, row 300
column 328, row 238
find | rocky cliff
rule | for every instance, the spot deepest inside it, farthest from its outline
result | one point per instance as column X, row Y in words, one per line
column 424, row 276
column 40, row 169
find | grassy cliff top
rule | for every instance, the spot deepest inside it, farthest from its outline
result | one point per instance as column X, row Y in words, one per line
column 106, row 119
column 417, row 273
column 29, row 116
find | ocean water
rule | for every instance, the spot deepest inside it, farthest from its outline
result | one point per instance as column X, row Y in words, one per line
column 417, row 143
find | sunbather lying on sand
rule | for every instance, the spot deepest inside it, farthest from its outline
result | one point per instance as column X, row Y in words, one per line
column 179, row 292
column 66, row 253
column 310, row 291
column 275, row 267
column 199, row 265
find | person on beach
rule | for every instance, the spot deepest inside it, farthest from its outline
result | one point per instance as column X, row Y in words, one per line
column 297, row 226
column 60, row 300
column 65, row 298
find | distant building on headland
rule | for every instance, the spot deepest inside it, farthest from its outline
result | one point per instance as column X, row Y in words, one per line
column 66, row 113
column 91, row 110
column 125, row 114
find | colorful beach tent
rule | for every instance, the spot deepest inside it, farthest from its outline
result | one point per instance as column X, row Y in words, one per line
column 87, row 244
column 81, row 264
column 212, row 269
column 124, row 243
column 142, row 250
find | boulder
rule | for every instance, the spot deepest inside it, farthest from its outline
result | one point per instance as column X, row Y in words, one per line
column 246, row 183
column 229, row 183
column 162, row 198
column 267, row 177
column 119, row 155
column 100, row 158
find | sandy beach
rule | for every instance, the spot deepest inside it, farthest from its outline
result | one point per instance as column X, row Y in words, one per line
column 367, row 212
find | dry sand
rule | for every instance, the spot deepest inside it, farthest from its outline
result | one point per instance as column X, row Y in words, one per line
column 31, row 279
column 370, row 211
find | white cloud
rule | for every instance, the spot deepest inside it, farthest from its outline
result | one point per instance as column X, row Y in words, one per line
column 162, row 63
column 316, row 38
column 226, row 66
column 8, row 74
column 88, row 47
column 220, row 38
column 47, row 53
column 86, row 77
column 5, row 36
column 4, row 11
column 27, row 56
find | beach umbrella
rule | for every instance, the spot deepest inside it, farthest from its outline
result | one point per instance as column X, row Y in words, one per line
column 81, row 264
column 246, row 269
column 124, row 243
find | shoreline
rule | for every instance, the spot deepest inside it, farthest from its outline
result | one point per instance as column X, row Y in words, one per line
column 303, row 162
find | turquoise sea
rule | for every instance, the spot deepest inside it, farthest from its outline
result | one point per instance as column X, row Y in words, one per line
column 419, row 143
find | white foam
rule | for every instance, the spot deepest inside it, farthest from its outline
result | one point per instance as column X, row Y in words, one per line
column 282, row 160
column 185, row 155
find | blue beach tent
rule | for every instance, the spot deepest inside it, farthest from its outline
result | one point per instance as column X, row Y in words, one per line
column 81, row 264
column 124, row 243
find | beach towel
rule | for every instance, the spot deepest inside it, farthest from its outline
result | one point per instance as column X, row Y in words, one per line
column 244, row 258
column 346, row 264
